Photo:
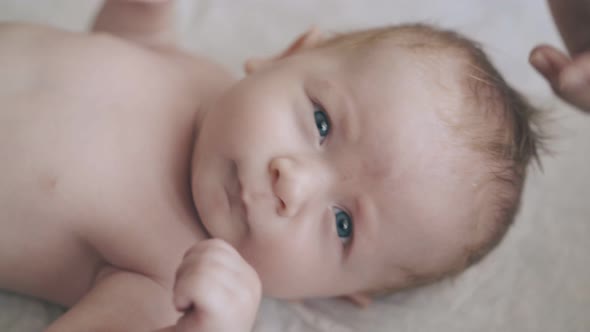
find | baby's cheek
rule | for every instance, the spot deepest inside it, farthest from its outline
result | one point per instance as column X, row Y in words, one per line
column 287, row 271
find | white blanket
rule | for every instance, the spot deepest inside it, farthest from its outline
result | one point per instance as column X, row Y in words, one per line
column 537, row 280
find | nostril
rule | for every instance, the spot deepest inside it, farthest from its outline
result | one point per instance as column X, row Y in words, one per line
column 282, row 205
column 275, row 175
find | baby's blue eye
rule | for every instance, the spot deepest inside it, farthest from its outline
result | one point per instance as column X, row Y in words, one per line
column 343, row 225
column 321, row 120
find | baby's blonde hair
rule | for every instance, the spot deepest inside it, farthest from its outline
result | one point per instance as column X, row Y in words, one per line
column 510, row 142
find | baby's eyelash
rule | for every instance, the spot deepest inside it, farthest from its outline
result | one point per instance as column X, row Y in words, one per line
column 344, row 225
column 322, row 120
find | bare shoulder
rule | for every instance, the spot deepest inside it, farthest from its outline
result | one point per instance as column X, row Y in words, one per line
column 45, row 45
column 96, row 135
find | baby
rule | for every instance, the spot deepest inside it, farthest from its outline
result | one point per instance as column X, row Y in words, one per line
column 145, row 188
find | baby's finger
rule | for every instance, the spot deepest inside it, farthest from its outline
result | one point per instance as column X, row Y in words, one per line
column 193, row 286
column 549, row 62
column 210, row 262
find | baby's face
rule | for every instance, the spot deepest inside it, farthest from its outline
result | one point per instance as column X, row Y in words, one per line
column 333, row 174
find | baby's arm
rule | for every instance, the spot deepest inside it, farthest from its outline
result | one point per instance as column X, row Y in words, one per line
column 569, row 76
column 120, row 301
column 148, row 22
column 215, row 288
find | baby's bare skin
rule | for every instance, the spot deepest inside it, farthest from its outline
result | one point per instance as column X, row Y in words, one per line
column 96, row 136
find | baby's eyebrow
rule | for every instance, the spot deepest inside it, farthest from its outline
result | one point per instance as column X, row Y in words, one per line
column 360, row 217
column 350, row 118
column 339, row 99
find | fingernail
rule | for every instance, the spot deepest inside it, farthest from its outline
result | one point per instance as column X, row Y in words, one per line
column 539, row 60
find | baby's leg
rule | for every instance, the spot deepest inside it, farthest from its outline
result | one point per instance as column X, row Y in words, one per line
column 148, row 22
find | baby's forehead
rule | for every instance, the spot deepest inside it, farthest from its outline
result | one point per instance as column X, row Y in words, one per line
column 420, row 219
column 404, row 88
column 423, row 200
column 411, row 159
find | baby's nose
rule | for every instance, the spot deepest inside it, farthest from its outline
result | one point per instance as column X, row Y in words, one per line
column 292, row 183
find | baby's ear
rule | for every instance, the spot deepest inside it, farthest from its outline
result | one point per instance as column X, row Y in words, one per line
column 361, row 300
column 308, row 39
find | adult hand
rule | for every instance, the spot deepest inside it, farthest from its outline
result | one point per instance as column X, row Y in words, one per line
column 568, row 74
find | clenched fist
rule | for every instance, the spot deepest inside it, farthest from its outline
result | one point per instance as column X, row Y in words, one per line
column 216, row 289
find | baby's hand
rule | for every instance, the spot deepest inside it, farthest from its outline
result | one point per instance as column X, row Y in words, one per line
column 216, row 289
